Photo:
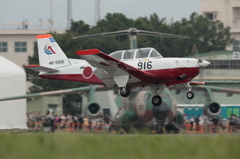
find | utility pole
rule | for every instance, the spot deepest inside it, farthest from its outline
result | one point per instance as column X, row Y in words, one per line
column 69, row 10
column 97, row 11
column 51, row 18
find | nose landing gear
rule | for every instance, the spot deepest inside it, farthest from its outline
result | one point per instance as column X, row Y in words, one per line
column 190, row 94
column 157, row 100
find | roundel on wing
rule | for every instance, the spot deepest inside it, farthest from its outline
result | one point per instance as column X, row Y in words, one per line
column 87, row 72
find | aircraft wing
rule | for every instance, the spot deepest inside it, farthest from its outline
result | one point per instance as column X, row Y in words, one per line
column 60, row 92
column 117, row 70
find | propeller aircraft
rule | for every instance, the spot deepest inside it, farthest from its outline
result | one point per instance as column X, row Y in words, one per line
column 126, row 69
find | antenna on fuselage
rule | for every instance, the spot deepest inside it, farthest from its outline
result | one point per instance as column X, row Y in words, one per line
column 132, row 34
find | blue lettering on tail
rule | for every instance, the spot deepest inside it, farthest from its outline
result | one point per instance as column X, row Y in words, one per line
column 52, row 40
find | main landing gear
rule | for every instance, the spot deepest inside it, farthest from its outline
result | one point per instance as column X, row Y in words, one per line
column 157, row 91
column 125, row 91
column 157, row 100
column 190, row 94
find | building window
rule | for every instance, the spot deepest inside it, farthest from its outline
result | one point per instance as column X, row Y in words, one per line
column 209, row 16
column 20, row 46
column 3, row 47
column 236, row 17
column 236, row 45
column 224, row 64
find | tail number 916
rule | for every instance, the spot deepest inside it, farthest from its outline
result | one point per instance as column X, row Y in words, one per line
column 143, row 65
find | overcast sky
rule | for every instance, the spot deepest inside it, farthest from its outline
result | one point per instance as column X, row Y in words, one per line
column 15, row 11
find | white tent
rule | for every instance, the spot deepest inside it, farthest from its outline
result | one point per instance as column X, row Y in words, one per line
column 12, row 83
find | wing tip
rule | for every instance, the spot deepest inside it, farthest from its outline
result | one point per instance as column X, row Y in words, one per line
column 88, row 52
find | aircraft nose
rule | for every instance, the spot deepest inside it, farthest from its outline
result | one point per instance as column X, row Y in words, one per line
column 204, row 63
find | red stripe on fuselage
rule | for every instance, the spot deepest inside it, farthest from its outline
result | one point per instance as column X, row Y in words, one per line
column 164, row 75
column 73, row 77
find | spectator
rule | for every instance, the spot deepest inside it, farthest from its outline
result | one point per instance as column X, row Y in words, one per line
column 106, row 120
column 98, row 123
column 56, row 121
column 221, row 123
column 52, row 119
column 237, row 122
column 85, row 120
column 75, row 120
column 63, row 120
column 215, row 124
column 89, row 124
column 93, row 125
column 231, row 120
column 197, row 120
column 80, row 120
column 33, row 119
column 101, row 121
column 191, row 122
column 39, row 120
column 185, row 118
column 69, row 120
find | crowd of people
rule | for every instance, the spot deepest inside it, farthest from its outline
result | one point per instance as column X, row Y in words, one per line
column 104, row 122
column 204, row 123
column 69, row 121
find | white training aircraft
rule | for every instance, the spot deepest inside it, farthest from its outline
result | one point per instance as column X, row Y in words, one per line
column 127, row 69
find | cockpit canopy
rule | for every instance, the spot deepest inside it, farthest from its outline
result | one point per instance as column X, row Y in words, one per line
column 136, row 54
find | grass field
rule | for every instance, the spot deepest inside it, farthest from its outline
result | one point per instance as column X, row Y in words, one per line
column 107, row 146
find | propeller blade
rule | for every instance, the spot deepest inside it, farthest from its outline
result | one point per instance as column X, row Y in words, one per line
column 195, row 51
column 201, row 63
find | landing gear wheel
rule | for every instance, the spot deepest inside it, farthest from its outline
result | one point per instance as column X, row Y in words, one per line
column 125, row 92
column 190, row 95
column 157, row 100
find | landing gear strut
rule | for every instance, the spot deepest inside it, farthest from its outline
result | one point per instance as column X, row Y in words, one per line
column 157, row 91
column 125, row 91
column 190, row 94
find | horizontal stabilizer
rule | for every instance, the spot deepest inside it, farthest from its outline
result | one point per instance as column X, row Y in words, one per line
column 39, row 68
column 88, row 52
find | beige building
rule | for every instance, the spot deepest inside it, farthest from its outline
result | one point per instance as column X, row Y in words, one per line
column 16, row 45
column 227, row 11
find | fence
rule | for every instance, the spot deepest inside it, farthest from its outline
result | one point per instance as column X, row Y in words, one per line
column 187, row 128
column 71, row 126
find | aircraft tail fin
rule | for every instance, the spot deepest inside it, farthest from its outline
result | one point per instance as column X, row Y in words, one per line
column 50, row 54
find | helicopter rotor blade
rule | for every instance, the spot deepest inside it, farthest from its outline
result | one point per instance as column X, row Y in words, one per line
column 122, row 32
column 143, row 32
column 132, row 31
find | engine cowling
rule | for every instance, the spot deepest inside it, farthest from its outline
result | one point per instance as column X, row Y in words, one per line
column 92, row 109
column 212, row 109
column 160, row 112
